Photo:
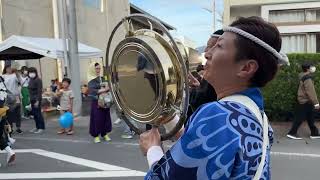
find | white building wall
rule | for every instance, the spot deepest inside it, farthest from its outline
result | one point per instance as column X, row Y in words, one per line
column 30, row 18
column 297, row 37
column 95, row 26
column 35, row 18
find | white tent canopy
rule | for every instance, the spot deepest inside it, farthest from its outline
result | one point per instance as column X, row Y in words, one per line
column 23, row 47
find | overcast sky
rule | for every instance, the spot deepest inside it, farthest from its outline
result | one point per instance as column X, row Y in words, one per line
column 189, row 17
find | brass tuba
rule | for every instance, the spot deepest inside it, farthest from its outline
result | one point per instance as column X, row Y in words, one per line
column 147, row 73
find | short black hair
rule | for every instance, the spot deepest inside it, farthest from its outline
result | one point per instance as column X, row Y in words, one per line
column 219, row 32
column 96, row 64
column 306, row 66
column 5, row 69
column 247, row 49
column 33, row 70
column 66, row 80
column 200, row 68
column 24, row 68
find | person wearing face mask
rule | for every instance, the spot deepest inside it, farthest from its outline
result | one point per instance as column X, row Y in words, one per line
column 35, row 90
column 24, row 90
column 307, row 102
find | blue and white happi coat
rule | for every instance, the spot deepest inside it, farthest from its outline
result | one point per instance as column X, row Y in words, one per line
column 222, row 140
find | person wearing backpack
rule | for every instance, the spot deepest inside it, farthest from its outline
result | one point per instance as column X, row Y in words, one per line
column 307, row 102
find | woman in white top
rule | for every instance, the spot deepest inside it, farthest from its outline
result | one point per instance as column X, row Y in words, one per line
column 12, row 83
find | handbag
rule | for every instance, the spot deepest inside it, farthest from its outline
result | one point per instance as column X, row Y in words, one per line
column 105, row 100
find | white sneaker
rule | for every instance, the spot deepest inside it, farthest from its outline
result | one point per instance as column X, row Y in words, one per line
column 293, row 137
column 28, row 107
column 11, row 158
column 117, row 122
column 11, row 140
column 33, row 130
column 39, row 131
column 315, row 137
column 126, row 136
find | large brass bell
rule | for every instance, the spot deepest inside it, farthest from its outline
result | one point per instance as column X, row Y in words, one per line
column 147, row 74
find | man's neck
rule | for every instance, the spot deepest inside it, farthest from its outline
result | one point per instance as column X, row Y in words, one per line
column 230, row 91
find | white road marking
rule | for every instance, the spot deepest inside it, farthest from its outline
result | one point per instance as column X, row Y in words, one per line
column 166, row 145
column 92, row 174
column 25, row 150
column 295, row 154
column 107, row 170
column 81, row 161
column 73, row 141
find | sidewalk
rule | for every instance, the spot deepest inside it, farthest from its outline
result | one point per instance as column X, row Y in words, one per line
column 280, row 128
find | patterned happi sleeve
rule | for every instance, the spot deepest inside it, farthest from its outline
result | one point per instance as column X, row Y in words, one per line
column 3, row 90
column 222, row 141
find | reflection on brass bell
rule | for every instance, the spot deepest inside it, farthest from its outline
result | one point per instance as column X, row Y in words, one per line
column 147, row 74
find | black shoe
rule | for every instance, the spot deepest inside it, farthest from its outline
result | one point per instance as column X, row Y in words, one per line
column 295, row 137
column 19, row 131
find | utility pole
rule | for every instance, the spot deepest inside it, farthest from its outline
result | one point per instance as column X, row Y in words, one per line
column 63, row 29
column 74, row 56
column 214, row 15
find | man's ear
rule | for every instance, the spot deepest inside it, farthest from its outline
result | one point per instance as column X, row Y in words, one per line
column 247, row 68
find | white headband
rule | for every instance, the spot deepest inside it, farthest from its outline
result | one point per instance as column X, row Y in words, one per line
column 282, row 58
column 215, row 35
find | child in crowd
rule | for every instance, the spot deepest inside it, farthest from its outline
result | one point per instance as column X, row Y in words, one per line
column 66, row 103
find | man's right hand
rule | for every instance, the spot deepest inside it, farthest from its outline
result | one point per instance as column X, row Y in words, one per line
column 193, row 82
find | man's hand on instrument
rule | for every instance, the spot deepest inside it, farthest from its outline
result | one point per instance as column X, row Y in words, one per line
column 149, row 139
column 193, row 82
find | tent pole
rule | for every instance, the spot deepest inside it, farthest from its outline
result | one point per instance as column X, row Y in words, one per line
column 104, row 67
column 40, row 69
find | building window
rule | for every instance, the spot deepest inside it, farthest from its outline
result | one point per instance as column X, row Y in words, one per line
column 295, row 43
column 287, row 16
column 301, row 43
column 313, row 15
column 300, row 16
column 92, row 3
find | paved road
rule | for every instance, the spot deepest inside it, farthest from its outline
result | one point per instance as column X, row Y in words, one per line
column 60, row 156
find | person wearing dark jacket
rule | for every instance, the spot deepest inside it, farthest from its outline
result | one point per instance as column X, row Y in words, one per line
column 307, row 102
column 202, row 92
column 35, row 90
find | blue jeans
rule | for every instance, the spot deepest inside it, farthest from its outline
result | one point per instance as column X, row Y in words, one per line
column 38, row 118
column 126, row 128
